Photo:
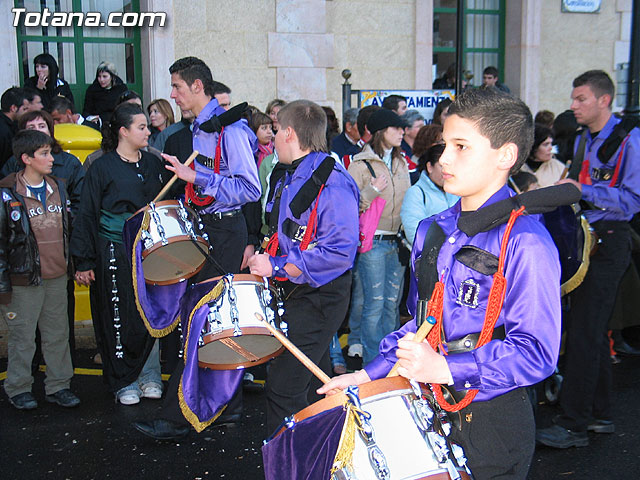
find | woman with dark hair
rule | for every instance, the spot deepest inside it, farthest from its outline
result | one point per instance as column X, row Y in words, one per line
column 102, row 95
column 426, row 197
column 441, row 111
column 123, row 180
column 379, row 268
column 565, row 127
column 46, row 80
column 541, row 161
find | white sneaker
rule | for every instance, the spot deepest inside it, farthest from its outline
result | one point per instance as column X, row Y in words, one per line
column 152, row 391
column 355, row 350
column 129, row 398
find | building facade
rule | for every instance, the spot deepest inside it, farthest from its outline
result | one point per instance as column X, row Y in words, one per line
column 265, row 49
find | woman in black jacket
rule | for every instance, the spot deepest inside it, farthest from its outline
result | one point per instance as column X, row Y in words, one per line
column 46, row 81
column 102, row 95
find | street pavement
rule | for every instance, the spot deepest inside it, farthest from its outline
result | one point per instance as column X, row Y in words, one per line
column 96, row 441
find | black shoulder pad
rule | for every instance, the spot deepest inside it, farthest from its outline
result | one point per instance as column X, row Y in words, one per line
column 477, row 259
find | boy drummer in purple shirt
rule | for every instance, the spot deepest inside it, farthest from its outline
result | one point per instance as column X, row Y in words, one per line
column 487, row 137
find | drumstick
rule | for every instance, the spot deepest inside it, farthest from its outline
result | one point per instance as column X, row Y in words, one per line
column 295, row 351
column 189, row 161
column 565, row 172
column 421, row 334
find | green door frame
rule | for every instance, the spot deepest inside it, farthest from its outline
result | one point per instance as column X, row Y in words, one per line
column 501, row 12
column 79, row 40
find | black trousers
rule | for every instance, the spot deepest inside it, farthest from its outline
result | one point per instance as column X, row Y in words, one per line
column 313, row 316
column 585, row 392
column 228, row 237
column 498, row 436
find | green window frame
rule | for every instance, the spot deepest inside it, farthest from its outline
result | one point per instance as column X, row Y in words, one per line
column 76, row 40
column 471, row 50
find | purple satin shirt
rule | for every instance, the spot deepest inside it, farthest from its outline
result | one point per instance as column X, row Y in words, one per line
column 622, row 201
column 530, row 313
column 333, row 249
column 238, row 181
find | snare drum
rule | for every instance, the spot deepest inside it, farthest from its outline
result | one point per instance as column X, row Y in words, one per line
column 233, row 337
column 171, row 238
column 402, row 439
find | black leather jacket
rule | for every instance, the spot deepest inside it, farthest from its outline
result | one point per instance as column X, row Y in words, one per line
column 19, row 256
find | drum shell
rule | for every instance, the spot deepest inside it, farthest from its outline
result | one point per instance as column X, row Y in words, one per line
column 397, row 435
column 176, row 258
column 222, row 349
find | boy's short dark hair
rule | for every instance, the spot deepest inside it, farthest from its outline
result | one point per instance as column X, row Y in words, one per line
column 191, row 69
column 29, row 141
column 599, row 82
column 392, row 101
column 493, row 71
column 219, row 87
column 13, row 96
column 363, row 117
column 499, row 116
column 61, row 104
column 309, row 122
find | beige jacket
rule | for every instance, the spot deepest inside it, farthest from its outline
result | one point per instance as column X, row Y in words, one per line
column 398, row 183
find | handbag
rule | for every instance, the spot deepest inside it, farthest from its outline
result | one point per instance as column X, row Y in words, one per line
column 369, row 219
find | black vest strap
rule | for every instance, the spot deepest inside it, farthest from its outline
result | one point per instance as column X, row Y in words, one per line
column 309, row 191
column 578, row 158
column 427, row 269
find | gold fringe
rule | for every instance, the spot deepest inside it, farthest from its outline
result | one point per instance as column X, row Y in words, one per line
column 344, row 454
column 191, row 417
column 578, row 277
column 154, row 332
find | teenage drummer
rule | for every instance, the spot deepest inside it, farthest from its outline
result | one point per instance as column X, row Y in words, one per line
column 124, row 180
column 487, row 135
column 313, row 218
column 224, row 178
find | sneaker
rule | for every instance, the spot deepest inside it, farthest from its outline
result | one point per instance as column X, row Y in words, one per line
column 64, row 398
column 24, row 401
column 355, row 350
column 129, row 398
column 560, row 437
column 152, row 391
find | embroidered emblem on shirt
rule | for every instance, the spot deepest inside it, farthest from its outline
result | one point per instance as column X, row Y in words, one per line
column 468, row 293
column 15, row 215
column 5, row 197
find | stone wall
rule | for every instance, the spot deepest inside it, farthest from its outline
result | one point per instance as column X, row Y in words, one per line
column 572, row 43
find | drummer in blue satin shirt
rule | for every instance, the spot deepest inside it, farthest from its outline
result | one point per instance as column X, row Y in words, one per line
column 238, row 182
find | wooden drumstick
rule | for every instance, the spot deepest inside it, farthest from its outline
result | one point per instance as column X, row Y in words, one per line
column 421, row 334
column 295, row 351
column 164, row 190
column 565, row 172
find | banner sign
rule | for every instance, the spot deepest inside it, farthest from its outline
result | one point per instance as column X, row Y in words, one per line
column 581, row 6
column 425, row 101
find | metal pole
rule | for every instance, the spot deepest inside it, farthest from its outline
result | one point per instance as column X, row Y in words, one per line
column 632, row 107
column 346, row 91
column 459, row 44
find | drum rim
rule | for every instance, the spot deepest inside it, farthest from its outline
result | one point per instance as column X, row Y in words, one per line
column 235, row 366
column 163, row 203
column 179, row 279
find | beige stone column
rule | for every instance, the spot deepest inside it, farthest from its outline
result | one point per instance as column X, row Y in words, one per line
column 522, row 50
column 424, row 44
column 301, row 50
column 157, row 49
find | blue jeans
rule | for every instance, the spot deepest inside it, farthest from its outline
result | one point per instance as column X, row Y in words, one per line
column 150, row 373
column 382, row 278
column 355, row 307
column 335, row 352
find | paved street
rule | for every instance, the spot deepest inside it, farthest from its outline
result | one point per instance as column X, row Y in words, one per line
column 95, row 441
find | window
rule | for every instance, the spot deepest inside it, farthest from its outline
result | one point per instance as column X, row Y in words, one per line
column 79, row 50
column 483, row 36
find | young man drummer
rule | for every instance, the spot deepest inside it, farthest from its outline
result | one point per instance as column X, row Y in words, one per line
column 487, row 136
column 220, row 188
column 313, row 218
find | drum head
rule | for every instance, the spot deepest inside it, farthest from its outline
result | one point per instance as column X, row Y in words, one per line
column 169, row 264
column 246, row 350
